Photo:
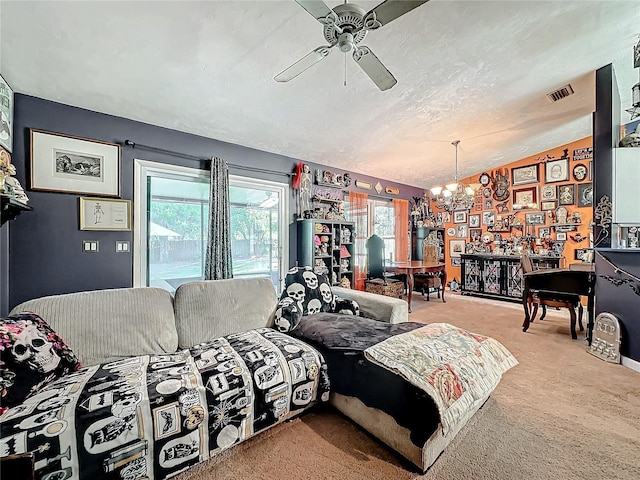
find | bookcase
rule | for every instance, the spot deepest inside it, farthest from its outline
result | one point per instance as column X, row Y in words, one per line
column 327, row 245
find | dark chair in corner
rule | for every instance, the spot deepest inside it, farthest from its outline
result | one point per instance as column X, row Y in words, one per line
column 552, row 299
column 377, row 281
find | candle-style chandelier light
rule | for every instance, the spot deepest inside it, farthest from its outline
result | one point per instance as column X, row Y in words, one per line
column 456, row 195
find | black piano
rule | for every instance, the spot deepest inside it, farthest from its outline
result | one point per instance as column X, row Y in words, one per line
column 579, row 279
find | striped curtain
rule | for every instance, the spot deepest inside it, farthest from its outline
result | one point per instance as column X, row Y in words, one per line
column 218, row 262
column 358, row 214
column 401, row 210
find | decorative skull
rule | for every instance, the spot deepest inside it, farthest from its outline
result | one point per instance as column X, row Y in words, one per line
column 311, row 279
column 31, row 346
column 325, row 290
column 296, row 291
column 313, row 306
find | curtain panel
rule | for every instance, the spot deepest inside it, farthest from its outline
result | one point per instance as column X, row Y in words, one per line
column 401, row 210
column 218, row 262
column 358, row 213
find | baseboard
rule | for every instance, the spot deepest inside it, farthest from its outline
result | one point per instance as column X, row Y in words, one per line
column 631, row 363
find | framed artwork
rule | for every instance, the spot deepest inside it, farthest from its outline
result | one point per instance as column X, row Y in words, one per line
column 474, row 221
column 562, row 236
column 456, row 247
column 580, row 172
column 590, row 171
column 548, row 192
column 580, row 254
column 451, row 231
column 64, row 163
column 544, row 232
column 548, row 205
column 105, row 214
column 585, row 194
column 6, row 115
column 525, row 198
column 488, row 204
column 484, row 179
column 488, row 219
column 524, row 175
column 537, row 218
column 462, row 231
column 566, row 194
column 455, row 262
column 460, row 217
column 557, row 170
column 476, row 234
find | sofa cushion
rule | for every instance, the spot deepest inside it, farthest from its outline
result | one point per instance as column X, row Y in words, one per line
column 214, row 308
column 106, row 325
column 31, row 355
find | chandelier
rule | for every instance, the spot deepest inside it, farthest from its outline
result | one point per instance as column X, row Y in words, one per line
column 455, row 196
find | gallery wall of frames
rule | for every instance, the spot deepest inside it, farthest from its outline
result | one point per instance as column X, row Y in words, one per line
column 548, row 200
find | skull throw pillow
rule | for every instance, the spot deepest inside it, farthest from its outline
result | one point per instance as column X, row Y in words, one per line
column 31, row 355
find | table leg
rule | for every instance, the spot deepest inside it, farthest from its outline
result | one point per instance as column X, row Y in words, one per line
column 443, row 282
column 410, row 294
column 590, row 315
column 525, row 305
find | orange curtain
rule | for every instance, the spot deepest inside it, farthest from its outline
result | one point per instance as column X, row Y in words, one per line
column 358, row 214
column 401, row 209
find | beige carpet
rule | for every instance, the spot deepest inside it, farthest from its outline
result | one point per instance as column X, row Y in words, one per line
column 560, row 414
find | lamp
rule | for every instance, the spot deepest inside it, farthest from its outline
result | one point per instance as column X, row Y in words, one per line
column 455, row 196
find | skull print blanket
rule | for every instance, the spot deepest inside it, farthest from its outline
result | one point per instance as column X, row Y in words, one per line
column 153, row 416
column 457, row 368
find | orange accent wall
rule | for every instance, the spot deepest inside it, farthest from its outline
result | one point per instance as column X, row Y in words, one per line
column 586, row 212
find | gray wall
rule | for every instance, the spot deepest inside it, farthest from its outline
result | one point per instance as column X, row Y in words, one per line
column 44, row 254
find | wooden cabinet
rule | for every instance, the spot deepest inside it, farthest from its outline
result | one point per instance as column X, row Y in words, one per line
column 498, row 275
column 327, row 245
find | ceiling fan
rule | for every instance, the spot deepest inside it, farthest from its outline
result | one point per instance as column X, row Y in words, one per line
column 346, row 26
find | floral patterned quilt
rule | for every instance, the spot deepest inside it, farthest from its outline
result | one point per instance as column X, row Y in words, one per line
column 457, row 368
column 154, row 416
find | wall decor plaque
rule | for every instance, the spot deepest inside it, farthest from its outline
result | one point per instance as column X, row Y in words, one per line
column 363, row 184
column 557, row 170
column 524, row 175
column 582, row 154
column 392, row 190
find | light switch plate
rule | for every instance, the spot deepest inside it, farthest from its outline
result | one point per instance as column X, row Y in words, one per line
column 90, row 246
column 122, row 246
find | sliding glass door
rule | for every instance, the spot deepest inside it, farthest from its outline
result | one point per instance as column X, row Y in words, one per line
column 170, row 238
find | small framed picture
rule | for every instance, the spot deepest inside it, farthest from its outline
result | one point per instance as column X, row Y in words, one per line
column 580, row 254
column 524, row 175
column 105, row 214
column 488, row 219
column 525, row 198
column 544, row 232
column 548, row 192
column 462, row 231
column 536, row 218
column 476, row 234
column 6, row 113
column 456, row 247
column 474, row 221
column 460, row 217
column 566, row 194
column 557, row 170
column 585, row 194
column 455, row 262
column 548, row 205
column 64, row 163
column 488, row 204
column 580, row 172
column 562, row 236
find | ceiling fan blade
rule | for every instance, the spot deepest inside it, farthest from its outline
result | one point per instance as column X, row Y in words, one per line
column 388, row 11
column 317, row 9
column 374, row 68
column 303, row 64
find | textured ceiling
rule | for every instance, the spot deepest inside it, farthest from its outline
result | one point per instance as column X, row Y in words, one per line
column 477, row 71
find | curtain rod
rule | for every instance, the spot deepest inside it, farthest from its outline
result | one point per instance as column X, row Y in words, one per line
column 132, row 144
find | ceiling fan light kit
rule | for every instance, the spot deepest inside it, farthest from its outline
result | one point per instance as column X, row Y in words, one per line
column 346, row 26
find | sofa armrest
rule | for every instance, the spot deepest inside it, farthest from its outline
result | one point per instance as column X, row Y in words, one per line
column 376, row 307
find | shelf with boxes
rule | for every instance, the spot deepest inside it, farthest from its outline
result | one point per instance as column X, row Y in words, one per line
column 328, row 246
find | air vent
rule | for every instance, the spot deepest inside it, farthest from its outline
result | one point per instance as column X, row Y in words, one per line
column 560, row 93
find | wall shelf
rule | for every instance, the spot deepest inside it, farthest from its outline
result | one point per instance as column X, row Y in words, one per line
column 10, row 208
